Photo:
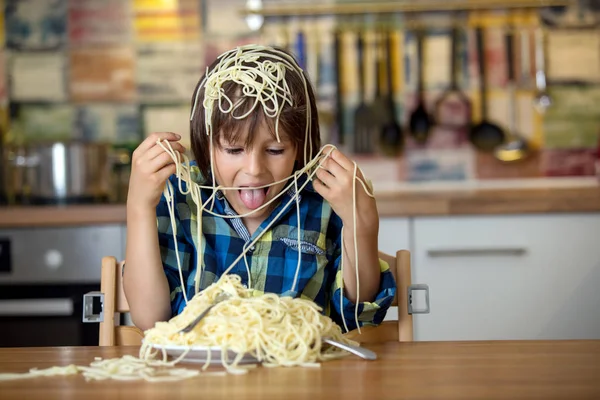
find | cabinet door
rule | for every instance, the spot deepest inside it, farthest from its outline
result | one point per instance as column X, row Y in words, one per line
column 394, row 235
column 509, row 277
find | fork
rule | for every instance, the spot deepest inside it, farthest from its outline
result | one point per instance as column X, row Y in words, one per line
column 357, row 350
column 220, row 297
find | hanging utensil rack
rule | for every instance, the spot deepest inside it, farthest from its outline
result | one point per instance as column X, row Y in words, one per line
column 315, row 9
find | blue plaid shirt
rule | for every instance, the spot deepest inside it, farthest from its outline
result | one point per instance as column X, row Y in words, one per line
column 273, row 259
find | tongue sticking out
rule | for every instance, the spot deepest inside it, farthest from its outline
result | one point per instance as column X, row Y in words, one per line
column 253, row 198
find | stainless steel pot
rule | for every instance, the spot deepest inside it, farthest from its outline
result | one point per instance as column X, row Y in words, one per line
column 62, row 172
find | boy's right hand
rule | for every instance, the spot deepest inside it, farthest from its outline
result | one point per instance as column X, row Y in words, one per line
column 151, row 166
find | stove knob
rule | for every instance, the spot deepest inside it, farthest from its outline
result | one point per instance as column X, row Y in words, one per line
column 54, row 259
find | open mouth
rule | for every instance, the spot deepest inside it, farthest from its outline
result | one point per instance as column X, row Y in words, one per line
column 253, row 198
column 265, row 190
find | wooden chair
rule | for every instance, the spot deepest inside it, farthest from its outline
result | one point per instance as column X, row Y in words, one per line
column 114, row 304
column 402, row 329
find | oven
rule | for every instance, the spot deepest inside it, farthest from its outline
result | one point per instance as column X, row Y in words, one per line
column 44, row 274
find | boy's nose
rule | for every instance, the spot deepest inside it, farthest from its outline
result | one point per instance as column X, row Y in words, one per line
column 256, row 164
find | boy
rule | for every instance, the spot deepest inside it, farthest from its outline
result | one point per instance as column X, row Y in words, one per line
column 254, row 124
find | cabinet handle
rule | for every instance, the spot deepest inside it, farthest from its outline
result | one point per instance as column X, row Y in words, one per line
column 507, row 251
column 36, row 307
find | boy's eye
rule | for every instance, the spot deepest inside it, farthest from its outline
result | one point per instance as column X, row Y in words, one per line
column 233, row 150
column 275, row 151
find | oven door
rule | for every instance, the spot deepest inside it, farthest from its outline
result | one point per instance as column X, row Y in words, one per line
column 44, row 274
column 48, row 315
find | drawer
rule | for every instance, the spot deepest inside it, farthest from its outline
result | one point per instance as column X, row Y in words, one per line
column 508, row 277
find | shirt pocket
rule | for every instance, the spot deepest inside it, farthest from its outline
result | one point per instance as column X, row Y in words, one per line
column 305, row 246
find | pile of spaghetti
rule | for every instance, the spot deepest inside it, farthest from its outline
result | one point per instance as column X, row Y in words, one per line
column 277, row 331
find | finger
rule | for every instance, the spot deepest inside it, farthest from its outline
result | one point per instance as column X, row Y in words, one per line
column 333, row 167
column 151, row 140
column 165, row 172
column 160, row 161
column 321, row 188
column 158, row 150
column 325, row 177
column 342, row 160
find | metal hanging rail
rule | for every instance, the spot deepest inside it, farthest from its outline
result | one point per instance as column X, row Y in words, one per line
column 315, row 9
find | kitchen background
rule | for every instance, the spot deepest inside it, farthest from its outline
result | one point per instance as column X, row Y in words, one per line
column 115, row 71
column 501, row 219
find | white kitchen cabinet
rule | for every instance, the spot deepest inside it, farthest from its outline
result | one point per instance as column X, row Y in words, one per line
column 509, row 276
column 394, row 235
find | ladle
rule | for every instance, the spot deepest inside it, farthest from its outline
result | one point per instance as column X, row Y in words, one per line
column 516, row 147
column 420, row 122
column 391, row 140
column 486, row 135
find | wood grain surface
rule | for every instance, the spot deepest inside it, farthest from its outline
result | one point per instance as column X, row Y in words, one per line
column 417, row 370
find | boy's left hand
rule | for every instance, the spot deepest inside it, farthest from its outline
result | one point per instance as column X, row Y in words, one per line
column 334, row 182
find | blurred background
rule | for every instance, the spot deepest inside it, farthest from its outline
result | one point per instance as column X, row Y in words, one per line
column 400, row 84
column 476, row 120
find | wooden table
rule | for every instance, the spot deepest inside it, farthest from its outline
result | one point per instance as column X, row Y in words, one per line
column 419, row 370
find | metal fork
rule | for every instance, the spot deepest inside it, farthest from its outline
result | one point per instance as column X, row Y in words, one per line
column 220, row 297
column 357, row 350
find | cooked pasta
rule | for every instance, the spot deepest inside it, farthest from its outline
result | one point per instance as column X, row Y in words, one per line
column 277, row 331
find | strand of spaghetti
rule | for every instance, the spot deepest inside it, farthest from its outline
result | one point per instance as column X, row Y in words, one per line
column 186, row 176
column 199, row 260
column 299, row 245
column 247, row 265
column 301, row 171
column 343, row 255
column 356, row 264
column 169, row 196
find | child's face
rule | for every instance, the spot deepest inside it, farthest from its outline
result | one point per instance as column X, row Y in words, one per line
column 267, row 161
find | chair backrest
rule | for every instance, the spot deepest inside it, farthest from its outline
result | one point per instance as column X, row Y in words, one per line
column 402, row 329
column 112, row 333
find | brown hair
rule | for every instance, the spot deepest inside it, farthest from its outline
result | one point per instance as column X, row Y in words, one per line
column 292, row 120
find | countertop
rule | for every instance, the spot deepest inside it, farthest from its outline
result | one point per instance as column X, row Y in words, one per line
column 393, row 200
column 416, row 370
